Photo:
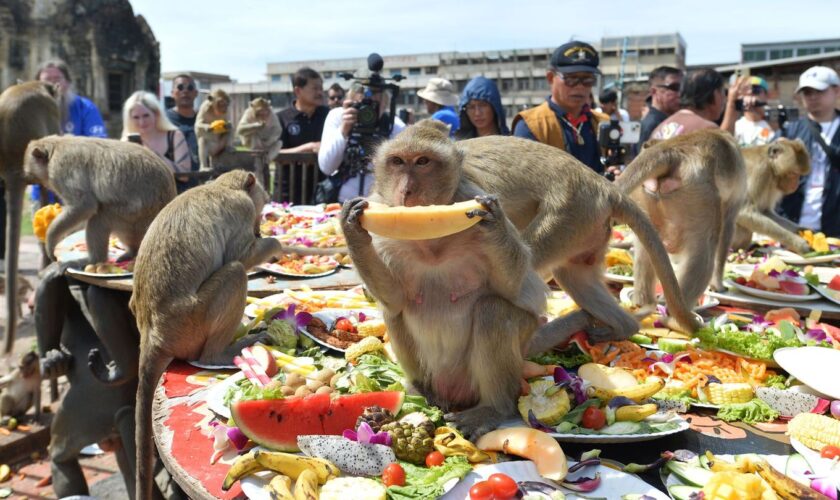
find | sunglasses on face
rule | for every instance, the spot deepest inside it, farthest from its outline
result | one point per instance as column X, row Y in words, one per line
column 673, row 87
column 181, row 87
column 336, row 97
column 574, row 81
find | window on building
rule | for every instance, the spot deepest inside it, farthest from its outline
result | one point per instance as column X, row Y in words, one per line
column 431, row 70
column 523, row 84
column 414, row 71
column 276, row 78
column 666, row 50
column 117, row 92
column 781, row 53
column 755, row 55
column 523, row 58
column 541, row 58
column 831, row 49
column 609, row 53
column 540, row 84
column 807, row 51
column 507, row 84
column 462, row 62
column 647, row 52
column 18, row 49
column 326, row 74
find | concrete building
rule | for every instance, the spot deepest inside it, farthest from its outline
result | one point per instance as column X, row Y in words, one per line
column 519, row 73
column 757, row 52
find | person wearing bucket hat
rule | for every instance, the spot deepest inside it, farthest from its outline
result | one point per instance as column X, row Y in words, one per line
column 816, row 203
column 565, row 120
column 440, row 99
column 752, row 129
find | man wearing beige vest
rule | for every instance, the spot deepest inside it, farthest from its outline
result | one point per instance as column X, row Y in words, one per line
column 565, row 120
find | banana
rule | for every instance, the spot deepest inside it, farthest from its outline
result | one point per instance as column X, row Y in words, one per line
column 244, row 465
column 635, row 413
column 294, row 465
column 280, row 488
column 786, row 488
column 306, row 487
column 637, row 393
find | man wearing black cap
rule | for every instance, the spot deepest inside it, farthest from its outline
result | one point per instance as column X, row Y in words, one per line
column 565, row 120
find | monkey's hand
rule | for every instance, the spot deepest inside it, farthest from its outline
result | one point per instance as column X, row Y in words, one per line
column 475, row 422
column 800, row 246
column 351, row 220
column 492, row 213
column 56, row 362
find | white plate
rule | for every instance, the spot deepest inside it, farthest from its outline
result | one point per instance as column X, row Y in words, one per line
column 706, row 302
column 829, row 294
column 826, row 274
column 812, row 366
column 205, row 366
column 215, row 395
column 789, row 257
column 99, row 275
column 769, row 362
column 618, row 278
column 614, row 483
column 783, row 297
column 606, row 438
column 279, row 272
column 329, row 316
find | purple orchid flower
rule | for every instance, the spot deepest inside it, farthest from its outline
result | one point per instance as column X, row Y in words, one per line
column 564, row 379
column 759, row 324
column 364, row 434
column 298, row 320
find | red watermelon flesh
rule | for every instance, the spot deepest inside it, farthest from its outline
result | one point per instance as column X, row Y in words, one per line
column 276, row 423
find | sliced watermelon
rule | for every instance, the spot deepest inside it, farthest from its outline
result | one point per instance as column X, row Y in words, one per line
column 834, row 284
column 276, row 423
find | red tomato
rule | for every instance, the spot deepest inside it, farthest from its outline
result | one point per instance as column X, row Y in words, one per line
column 481, row 490
column 393, row 475
column 345, row 325
column 741, row 280
column 504, row 486
column 434, row 458
column 594, row 418
column 830, row 452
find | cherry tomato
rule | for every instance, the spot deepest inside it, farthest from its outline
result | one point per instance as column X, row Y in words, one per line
column 481, row 490
column 594, row 418
column 345, row 325
column 434, row 458
column 504, row 486
column 741, row 280
column 393, row 475
column 830, row 452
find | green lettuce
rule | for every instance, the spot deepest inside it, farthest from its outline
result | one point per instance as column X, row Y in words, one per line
column 283, row 336
column 569, row 358
column 427, row 482
column 746, row 343
column 752, row 412
column 245, row 390
column 414, row 402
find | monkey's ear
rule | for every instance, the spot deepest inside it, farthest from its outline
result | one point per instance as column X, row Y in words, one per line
column 775, row 150
column 40, row 154
column 250, row 180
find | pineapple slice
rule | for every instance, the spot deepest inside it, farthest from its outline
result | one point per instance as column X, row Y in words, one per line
column 548, row 402
column 352, row 488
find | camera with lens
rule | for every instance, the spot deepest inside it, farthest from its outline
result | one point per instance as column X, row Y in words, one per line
column 613, row 137
column 367, row 119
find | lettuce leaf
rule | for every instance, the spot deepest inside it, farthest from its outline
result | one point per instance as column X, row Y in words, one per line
column 746, row 343
column 425, row 482
column 570, row 358
column 752, row 412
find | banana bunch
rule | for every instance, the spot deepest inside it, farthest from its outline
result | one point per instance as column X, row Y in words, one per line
column 287, row 464
column 219, row 126
column 637, row 393
column 306, row 487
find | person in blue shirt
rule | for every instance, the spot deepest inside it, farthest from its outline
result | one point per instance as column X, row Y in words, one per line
column 440, row 98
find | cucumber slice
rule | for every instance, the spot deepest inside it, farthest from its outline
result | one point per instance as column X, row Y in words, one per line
column 797, row 464
column 621, row 428
column 641, row 339
column 704, row 461
column 683, row 492
column 690, row 474
column 672, row 346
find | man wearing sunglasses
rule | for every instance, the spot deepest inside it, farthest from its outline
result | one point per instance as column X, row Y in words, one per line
column 664, row 84
column 184, row 92
column 565, row 120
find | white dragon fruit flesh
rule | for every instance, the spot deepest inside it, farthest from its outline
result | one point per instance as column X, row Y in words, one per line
column 787, row 403
column 352, row 457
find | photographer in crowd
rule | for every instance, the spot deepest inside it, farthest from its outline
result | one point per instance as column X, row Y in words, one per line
column 340, row 130
column 752, row 129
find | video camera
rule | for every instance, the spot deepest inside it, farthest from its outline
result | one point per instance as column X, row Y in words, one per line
column 370, row 128
column 779, row 113
column 612, row 138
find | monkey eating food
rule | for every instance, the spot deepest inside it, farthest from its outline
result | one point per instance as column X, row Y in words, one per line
column 213, row 138
column 260, row 129
column 692, row 187
column 22, row 387
column 773, row 171
column 112, row 186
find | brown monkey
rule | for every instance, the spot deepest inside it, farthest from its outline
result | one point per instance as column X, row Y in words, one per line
column 692, row 187
column 773, row 171
column 113, row 186
column 27, row 111
column 190, row 285
column 213, row 143
column 461, row 310
column 22, row 387
column 260, row 129
column 563, row 210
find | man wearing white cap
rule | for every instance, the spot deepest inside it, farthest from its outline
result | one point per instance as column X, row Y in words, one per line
column 816, row 204
column 440, row 99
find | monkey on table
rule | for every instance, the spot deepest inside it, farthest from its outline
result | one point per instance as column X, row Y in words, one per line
column 563, row 210
column 773, row 171
column 461, row 310
column 190, row 285
column 213, row 141
column 27, row 111
column 260, row 129
column 692, row 187
column 111, row 186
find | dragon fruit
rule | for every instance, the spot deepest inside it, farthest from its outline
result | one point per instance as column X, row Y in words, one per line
column 352, row 457
column 787, row 403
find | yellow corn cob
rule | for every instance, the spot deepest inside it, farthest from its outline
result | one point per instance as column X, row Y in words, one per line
column 672, row 388
column 720, row 394
column 371, row 328
column 815, row 431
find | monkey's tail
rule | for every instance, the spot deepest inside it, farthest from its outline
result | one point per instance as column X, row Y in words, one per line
column 653, row 162
column 626, row 211
column 14, row 208
column 152, row 365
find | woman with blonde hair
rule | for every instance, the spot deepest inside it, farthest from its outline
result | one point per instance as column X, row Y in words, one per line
column 142, row 116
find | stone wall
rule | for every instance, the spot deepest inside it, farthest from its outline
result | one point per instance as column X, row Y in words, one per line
column 110, row 51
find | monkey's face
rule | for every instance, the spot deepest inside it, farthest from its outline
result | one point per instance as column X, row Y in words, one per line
column 418, row 179
column 220, row 106
column 36, row 160
column 29, row 364
column 790, row 161
column 262, row 113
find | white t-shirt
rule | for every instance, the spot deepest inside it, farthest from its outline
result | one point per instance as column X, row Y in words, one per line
column 812, row 207
column 621, row 114
column 750, row 133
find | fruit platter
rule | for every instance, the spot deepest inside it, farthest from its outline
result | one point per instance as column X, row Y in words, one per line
column 74, row 247
column 825, row 249
column 618, row 264
column 621, row 236
column 831, row 291
column 301, row 266
column 305, row 227
column 773, row 279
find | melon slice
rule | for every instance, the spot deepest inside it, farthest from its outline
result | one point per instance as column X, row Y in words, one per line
column 277, row 423
column 606, row 377
column 530, row 443
column 419, row 223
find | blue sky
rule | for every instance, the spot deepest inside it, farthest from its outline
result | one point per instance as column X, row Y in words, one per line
column 240, row 37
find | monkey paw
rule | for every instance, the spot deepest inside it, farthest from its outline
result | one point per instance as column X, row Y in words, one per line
column 107, row 373
column 492, row 212
column 801, row 246
column 56, row 362
column 351, row 217
column 475, row 422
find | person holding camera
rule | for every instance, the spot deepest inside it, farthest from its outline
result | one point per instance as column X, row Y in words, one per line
column 565, row 120
column 752, row 129
column 341, row 127
column 816, row 204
